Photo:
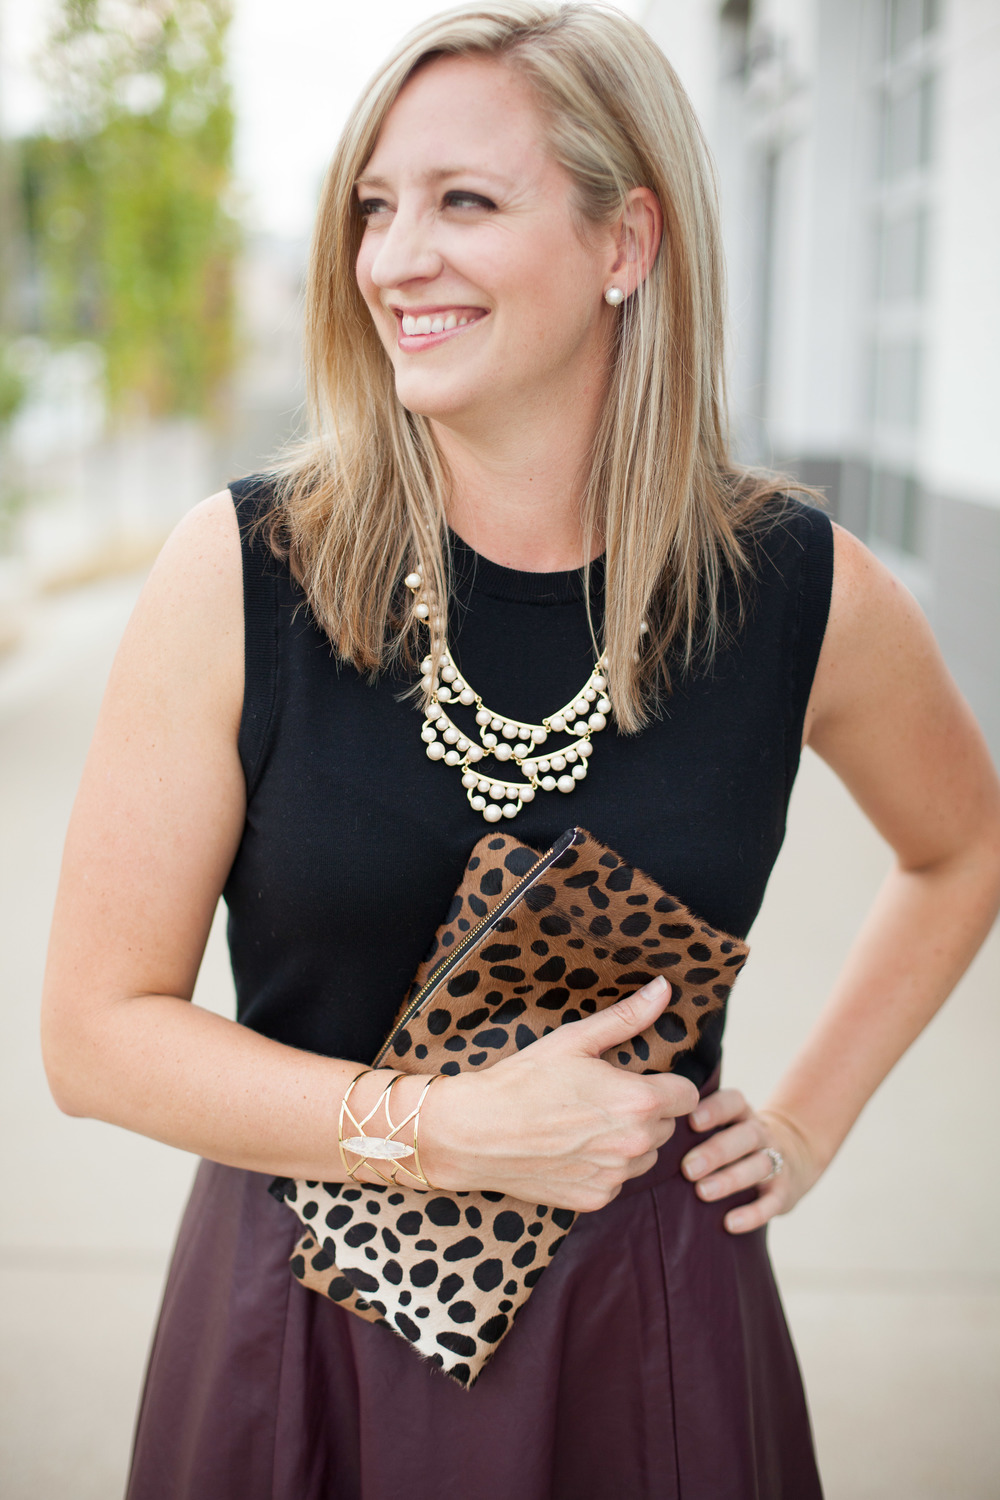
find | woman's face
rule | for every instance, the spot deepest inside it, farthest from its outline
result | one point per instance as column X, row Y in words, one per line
column 487, row 299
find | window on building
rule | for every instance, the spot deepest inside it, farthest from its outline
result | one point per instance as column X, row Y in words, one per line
column 904, row 81
column 897, row 512
column 907, row 126
column 897, row 383
column 906, row 22
column 902, row 254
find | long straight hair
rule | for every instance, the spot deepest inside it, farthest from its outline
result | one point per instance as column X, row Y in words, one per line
column 362, row 502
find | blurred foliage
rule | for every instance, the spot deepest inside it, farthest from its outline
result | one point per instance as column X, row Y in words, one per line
column 125, row 199
column 13, row 386
column 13, row 389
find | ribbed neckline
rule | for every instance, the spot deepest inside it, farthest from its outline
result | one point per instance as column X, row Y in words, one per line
column 477, row 574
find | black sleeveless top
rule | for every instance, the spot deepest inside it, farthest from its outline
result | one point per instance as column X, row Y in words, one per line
column 354, row 841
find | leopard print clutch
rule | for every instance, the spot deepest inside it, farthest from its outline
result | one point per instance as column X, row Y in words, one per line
column 530, row 943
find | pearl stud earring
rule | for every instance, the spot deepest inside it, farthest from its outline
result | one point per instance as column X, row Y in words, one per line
column 614, row 295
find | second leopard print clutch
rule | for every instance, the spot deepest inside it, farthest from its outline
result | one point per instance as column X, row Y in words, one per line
column 530, row 943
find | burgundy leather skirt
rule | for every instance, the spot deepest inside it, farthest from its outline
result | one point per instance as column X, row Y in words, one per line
column 652, row 1362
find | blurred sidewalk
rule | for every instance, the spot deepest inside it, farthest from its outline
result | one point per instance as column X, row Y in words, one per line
column 890, row 1269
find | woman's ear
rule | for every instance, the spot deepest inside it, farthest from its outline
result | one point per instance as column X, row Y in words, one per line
column 637, row 238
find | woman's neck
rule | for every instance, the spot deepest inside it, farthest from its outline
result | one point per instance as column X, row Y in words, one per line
column 516, row 494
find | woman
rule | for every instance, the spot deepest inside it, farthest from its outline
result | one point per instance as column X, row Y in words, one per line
column 515, row 344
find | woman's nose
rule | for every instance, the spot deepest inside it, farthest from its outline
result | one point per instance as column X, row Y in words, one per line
column 405, row 252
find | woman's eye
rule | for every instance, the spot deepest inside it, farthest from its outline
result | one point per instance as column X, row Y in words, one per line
column 377, row 208
column 468, row 200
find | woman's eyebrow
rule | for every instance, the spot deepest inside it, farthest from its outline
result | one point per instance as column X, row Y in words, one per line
column 434, row 174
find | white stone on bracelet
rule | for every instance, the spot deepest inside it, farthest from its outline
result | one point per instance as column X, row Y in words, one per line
column 378, row 1146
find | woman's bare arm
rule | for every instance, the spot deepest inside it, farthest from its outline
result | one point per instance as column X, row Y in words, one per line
column 886, row 716
column 157, row 821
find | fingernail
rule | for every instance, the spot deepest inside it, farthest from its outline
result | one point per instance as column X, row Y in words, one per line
column 693, row 1165
column 654, row 987
column 708, row 1189
column 735, row 1221
column 699, row 1118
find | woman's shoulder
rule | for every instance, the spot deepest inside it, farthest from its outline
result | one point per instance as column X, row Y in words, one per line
column 868, row 607
column 177, row 676
column 189, row 617
column 200, row 561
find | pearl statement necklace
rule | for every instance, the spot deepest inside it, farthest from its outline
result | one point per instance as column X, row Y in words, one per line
column 506, row 740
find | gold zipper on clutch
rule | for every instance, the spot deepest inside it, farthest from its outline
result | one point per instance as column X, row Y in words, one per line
column 477, row 933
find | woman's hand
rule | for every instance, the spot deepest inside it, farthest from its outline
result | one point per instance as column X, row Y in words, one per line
column 556, row 1123
column 735, row 1158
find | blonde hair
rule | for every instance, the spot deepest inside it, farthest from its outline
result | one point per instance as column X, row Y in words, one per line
column 362, row 503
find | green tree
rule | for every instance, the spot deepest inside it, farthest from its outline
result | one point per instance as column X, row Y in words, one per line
column 13, row 387
column 126, row 197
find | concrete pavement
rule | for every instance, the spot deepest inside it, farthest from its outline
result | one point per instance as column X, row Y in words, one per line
column 890, row 1269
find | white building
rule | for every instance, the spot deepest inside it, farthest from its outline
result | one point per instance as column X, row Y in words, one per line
column 858, row 147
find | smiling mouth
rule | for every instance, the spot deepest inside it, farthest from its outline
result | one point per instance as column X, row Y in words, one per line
column 420, row 325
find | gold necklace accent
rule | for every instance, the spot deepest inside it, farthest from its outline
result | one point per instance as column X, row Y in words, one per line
column 509, row 741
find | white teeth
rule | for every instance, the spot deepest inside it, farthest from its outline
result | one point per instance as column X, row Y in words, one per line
column 425, row 323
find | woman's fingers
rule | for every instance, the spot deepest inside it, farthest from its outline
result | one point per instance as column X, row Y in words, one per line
column 737, row 1177
column 616, row 1023
column 748, row 1216
column 735, row 1159
column 720, row 1108
column 559, row 1117
column 641, row 1164
column 726, row 1146
column 739, row 1157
